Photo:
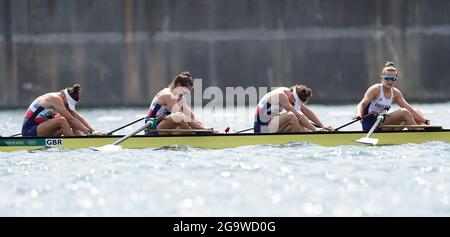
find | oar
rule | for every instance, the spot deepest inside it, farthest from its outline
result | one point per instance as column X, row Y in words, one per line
column 343, row 126
column 15, row 135
column 435, row 127
column 367, row 139
column 124, row 126
column 245, row 130
column 352, row 122
column 148, row 124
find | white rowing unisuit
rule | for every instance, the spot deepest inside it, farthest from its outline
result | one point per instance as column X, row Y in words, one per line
column 380, row 104
column 265, row 112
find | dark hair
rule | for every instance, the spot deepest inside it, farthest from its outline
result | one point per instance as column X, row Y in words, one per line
column 74, row 91
column 303, row 92
column 184, row 79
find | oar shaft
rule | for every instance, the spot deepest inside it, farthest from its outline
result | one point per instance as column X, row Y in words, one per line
column 345, row 125
column 132, row 134
column 374, row 126
column 124, row 126
column 183, row 130
column 352, row 122
column 148, row 124
column 245, row 130
column 411, row 126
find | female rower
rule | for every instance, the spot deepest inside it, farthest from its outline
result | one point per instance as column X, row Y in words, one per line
column 379, row 98
column 53, row 114
column 172, row 101
column 270, row 119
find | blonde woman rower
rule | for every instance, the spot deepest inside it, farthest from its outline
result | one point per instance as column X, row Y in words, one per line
column 381, row 96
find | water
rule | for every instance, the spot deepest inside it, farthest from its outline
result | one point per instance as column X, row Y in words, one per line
column 266, row 180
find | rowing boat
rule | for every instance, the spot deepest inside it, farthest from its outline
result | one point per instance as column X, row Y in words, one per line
column 221, row 140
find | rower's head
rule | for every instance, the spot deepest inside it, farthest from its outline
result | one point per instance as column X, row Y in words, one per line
column 389, row 75
column 182, row 84
column 301, row 92
column 71, row 96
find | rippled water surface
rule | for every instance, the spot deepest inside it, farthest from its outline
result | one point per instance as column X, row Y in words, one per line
column 296, row 179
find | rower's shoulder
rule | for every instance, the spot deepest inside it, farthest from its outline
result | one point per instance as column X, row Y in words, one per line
column 51, row 96
column 375, row 87
column 279, row 93
column 166, row 94
column 373, row 92
column 396, row 90
column 49, row 99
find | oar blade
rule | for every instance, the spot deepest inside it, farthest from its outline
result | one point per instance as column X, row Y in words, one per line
column 107, row 148
column 368, row 140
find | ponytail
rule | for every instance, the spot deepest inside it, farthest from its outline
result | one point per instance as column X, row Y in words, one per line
column 184, row 79
column 74, row 91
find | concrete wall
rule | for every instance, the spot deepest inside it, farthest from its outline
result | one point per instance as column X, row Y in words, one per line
column 123, row 51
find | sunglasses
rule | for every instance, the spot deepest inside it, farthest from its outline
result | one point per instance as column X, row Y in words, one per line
column 390, row 78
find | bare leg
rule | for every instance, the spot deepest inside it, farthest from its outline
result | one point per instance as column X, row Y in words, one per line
column 57, row 133
column 285, row 123
column 398, row 117
column 195, row 125
column 52, row 126
column 173, row 121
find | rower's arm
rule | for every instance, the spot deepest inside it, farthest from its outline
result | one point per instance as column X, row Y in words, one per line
column 284, row 102
column 81, row 119
column 187, row 111
column 172, row 104
column 311, row 116
column 181, row 106
column 62, row 110
column 370, row 95
column 400, row 100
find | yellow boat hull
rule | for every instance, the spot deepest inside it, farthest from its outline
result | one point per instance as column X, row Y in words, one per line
column 222, row 140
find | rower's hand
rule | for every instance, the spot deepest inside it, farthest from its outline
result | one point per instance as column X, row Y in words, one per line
column 356, row 117
column 328, row 128
column 96, row 133
column 374, row 113
column 99, row 133
column 322, row 130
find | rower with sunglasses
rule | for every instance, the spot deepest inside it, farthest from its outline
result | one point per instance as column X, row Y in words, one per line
column 171, row 101
column 379, row 98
